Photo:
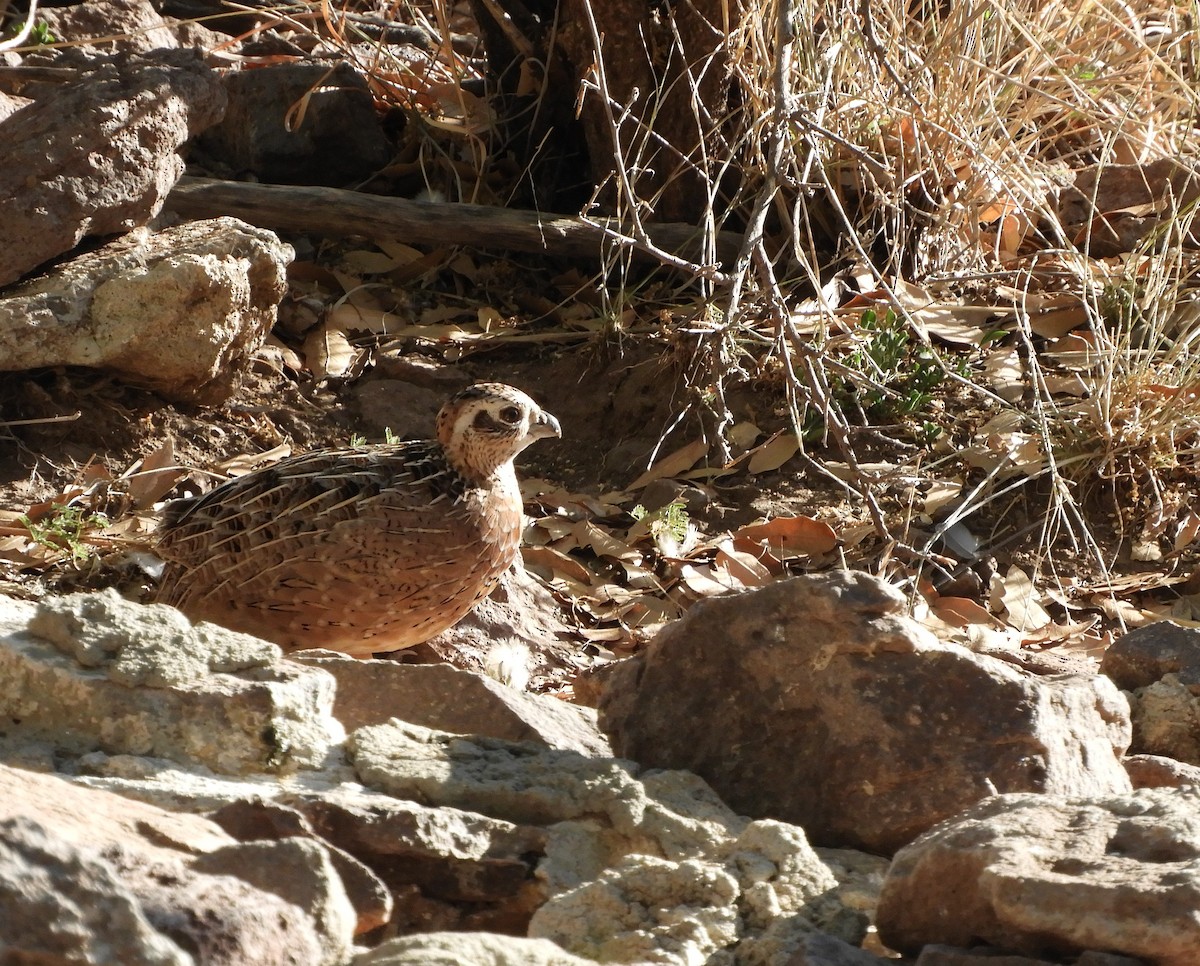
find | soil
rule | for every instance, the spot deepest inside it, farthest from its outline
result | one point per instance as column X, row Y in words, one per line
column 72, row 435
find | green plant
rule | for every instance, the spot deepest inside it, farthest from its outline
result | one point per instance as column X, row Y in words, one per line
column 64, row 530
column 669, row 525
column 904, row 371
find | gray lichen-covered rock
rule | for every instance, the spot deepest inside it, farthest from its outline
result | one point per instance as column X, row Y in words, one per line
column 1045, row 875
column 450, row 699
column 817, row 701
column 637, row 867
column 94, row 672
column 179, row 311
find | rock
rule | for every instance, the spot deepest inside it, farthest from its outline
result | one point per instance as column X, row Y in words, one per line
column 96, row 672
column 335, row 140
column 1148, row 654
column 516, row 633
column 100, row 156
column 818, row 949
column 884, row 730
column 91, row 877
column 939, row 955
column 1048, row 876
column 1153, row 771
column 180, row 311
column 249, row 820
column 447, row 699
column 1160, row 665
column 11, row 103
column 60, row 906
column 467, row 949
column 300, row 872
column 448, row 868
column 637, row 866
column 130, row 25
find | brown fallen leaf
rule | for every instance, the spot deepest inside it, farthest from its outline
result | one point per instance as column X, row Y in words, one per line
column 554, row 563
column 742, row 566
column 773, row 453
column 962, row 611
column 328, row 352
column 788, row 536
column 682, row 459
column 151, row 478
column 1054, row 634
column 243, row 463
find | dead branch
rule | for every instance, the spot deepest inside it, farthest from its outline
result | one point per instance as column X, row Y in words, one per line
column 334, row 211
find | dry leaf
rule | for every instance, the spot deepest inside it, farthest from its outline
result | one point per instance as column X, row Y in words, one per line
column 708, row 581
column 1005, row 373
column 1187, row 530
column 682, row 459
column 744, row 567
column 344, row 315
column 369, row 263
column 603, row 543
column 488, row 317
column 940, row 493
column 744, row 435
column 552, row 563
column 328, row 352
column 774, row 453
column 961, row 611
column 243, row 463
column 788, row 536
column 1054, row 323
column 1052, row 634
column 154, row 477
column 1019, row 598
column 400, row 253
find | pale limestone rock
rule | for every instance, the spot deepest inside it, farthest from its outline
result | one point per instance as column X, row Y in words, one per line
column 96, row 672
column 1041, row 874
column 179, row 311
column 460, row 948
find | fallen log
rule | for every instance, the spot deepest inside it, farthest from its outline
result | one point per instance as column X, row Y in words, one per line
column 335, row 211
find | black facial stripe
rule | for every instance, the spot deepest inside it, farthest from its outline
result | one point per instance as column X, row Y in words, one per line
column 486, row 422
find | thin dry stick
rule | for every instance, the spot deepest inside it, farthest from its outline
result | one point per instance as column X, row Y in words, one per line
column 639, row 237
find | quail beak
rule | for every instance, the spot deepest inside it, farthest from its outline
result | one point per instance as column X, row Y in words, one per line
column 545, row 425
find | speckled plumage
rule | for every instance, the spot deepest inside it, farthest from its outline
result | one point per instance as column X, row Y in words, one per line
column 360, row 550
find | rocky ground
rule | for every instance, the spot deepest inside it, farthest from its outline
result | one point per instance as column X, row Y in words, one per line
column 797, row 773
column 800, row 774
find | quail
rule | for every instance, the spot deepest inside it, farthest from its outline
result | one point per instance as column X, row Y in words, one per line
column 364, row 549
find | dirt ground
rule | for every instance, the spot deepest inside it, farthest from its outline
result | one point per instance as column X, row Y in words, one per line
column 76, row 437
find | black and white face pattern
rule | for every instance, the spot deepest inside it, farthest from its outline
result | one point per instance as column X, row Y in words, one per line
column 488, row 424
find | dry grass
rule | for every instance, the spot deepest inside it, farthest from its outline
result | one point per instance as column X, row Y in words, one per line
column 878, row 145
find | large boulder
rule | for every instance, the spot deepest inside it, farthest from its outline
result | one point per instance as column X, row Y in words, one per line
column 817, row 701
column 180, row 311
column 1159, row 665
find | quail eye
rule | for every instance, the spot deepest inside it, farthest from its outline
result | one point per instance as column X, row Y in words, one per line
column 510, row 414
